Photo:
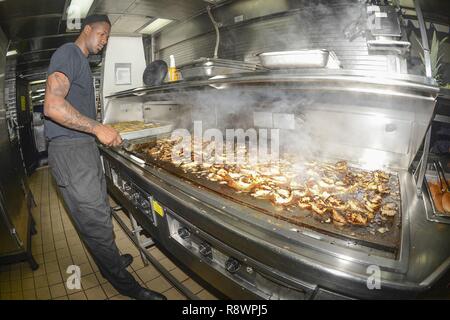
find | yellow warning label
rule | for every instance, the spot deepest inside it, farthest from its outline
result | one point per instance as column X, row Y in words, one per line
column 23, row 103
column 158, row 208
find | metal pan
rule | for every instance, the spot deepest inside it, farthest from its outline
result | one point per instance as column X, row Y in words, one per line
column 295, row 59
column 441, row 175
column 162, row 128
column 432, row 178
column 207, row 67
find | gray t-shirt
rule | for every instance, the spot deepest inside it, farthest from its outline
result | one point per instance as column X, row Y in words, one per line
column 69, row 59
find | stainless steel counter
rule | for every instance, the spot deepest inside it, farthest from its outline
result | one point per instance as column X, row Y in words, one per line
column 302, row 259
column 340, row 79
column 387, row 117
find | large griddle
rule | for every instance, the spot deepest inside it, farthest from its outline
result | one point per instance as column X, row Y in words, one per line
column 299, row 218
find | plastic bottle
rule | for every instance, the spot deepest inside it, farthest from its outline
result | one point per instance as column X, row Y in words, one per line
column 173, row 73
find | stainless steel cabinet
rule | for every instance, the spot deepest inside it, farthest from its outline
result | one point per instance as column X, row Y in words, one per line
column 16, row 222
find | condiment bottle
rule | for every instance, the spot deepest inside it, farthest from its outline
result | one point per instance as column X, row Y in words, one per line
column 173, row 73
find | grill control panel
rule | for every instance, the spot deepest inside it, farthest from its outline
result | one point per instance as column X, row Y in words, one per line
column 140, row 199
column 209, row 253
column 235, row 268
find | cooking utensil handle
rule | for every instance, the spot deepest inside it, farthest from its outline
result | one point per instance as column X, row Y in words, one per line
column 441, row 169
column 125, row 143
column 438, row 171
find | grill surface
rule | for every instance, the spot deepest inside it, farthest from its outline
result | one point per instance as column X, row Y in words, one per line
column 297, row 217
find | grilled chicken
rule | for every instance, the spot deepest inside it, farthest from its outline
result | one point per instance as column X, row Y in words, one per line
column 319, row 208
column 338, row 218
column 262, row 194
column 389, row 209
column 336, row 192
column 283, row 198
column 356, row 218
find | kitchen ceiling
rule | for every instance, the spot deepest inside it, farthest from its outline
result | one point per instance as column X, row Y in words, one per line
column 36, row 28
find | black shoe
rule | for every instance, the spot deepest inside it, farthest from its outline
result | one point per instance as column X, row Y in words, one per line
column 126, row 259
column 146, row 294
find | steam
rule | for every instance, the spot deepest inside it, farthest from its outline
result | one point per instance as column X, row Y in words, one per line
column 334, row 125
column 371, row 130
column 234, row 109
column 305, row 27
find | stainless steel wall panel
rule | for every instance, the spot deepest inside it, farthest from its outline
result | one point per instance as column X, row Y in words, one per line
column 169, row 9
column 190, row 50
column 112, row 6
column 23, row 8
column 314, row 26
column 32, row 26
column 3, row 128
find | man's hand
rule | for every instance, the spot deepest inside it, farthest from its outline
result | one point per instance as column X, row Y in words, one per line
column 107, row 135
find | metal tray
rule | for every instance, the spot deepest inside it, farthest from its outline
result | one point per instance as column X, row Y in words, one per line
column 165, row 127
column 429, row 208
column 298, row 59
column 400, row 47
column 433, row 178
column 206, row 67
column 333, row 61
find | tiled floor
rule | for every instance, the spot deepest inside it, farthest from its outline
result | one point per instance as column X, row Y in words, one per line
column 56, row 246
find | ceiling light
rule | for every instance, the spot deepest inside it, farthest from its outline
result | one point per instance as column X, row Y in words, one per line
column 214, row 1
column 11, row 53
column 155, row 26
column 78, row 9
column 37, row 82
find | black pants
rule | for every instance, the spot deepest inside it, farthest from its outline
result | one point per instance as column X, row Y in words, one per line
column 77, row 169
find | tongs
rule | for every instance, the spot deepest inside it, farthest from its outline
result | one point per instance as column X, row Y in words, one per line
column 129, row 146
column 125, row 144
column 443, row 185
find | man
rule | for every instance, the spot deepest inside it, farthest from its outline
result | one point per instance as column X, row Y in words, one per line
column 74, row 158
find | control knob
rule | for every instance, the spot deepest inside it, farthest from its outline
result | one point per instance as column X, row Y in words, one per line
column 145, row 205
column 126, row 187
column 205, row 250
column 232, row 265
column 135, row 197
column 184, row 233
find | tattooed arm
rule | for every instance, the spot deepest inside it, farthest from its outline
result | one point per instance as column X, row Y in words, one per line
column 57, row 108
